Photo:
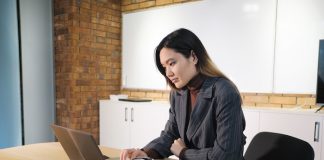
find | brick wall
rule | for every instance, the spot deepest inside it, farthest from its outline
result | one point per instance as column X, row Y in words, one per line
column 87, row 59
column 304, row 101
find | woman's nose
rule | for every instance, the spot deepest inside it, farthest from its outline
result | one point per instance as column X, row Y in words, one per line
column 168, row 72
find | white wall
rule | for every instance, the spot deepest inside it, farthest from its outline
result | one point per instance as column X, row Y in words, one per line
column 264, row 46
column 300, row 25
column 37, row 68
column 10, row 99
column 232, row 32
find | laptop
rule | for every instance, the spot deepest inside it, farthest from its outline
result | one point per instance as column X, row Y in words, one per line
column 78, row 145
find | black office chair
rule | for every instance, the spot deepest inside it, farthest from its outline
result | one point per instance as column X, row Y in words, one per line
column 275, row 146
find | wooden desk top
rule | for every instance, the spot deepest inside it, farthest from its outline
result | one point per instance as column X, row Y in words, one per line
column 45, row 151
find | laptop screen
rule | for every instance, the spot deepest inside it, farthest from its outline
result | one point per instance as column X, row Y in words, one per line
column 77, row 144
column 63, row 136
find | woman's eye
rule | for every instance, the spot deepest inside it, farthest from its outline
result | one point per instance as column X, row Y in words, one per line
column 172, row 63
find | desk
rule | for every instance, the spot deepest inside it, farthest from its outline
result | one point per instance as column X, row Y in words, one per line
column 45, row 151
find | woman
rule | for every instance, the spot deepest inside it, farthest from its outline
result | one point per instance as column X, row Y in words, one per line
column 206, row 119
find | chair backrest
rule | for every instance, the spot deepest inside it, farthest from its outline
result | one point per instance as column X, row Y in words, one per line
column 275, row 146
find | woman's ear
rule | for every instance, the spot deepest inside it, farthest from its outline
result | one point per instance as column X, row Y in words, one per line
column 194, row 57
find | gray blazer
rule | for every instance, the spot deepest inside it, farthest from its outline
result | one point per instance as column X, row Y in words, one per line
column 215, row 129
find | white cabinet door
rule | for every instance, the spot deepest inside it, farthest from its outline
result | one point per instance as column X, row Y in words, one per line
column 114, row 124
column 252, row 125
column 131, row 124
column 147, row 122
column 297, row 125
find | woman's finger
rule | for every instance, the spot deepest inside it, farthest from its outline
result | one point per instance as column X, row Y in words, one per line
column 126, row 153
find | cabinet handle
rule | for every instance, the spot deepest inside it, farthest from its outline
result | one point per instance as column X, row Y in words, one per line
column 316, row 131
column 132, row 114
column 126, row 114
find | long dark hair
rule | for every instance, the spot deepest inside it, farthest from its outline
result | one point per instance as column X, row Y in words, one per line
column 185, row 42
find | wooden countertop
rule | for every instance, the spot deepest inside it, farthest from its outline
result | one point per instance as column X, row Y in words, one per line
column 45, row 151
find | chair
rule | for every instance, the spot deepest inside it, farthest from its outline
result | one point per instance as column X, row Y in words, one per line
column 275, row 146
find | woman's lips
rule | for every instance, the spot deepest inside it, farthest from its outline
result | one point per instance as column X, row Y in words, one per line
column 175, row 80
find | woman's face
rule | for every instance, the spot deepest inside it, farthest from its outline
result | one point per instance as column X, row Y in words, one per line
column 179, row 69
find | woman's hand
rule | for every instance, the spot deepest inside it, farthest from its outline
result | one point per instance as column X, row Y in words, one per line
column 177, row 146
column 129, row 154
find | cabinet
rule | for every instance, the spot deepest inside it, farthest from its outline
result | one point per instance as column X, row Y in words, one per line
column 131, row 124
column 304, row 125
column 134, row 124
column 251, row 125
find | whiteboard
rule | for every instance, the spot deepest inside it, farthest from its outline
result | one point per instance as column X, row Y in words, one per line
column 300, row 26
column 238, row 35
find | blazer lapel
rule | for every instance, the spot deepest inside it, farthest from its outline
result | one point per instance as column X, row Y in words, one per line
column 183, row 111
column 201, row 107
